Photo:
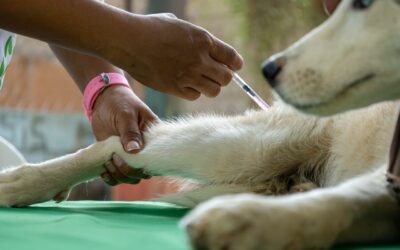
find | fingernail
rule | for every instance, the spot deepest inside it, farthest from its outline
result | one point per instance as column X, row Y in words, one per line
column 117, row 160
column 110, row 167
column 132, row 145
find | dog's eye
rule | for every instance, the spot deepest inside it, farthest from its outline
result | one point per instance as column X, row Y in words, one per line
column 362, row 4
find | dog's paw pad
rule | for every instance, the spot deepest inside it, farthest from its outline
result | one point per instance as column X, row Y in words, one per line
column 217, row 225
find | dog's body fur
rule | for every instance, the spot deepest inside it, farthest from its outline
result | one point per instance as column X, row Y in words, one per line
column 265, row 152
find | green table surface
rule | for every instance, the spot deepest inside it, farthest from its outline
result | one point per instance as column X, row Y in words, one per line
column 87, row 225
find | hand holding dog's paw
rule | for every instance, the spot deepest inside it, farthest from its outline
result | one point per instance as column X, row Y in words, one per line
column 255, row 222
column 117, row 171
column 26, row 185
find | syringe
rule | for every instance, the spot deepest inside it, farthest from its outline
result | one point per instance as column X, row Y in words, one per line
column 250, row 92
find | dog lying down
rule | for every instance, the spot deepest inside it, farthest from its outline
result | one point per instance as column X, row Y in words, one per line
column 350, row 61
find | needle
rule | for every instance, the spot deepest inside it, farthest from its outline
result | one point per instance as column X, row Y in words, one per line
column 250, row 92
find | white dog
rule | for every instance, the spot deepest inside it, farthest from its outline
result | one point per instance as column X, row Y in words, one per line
column 348, row 62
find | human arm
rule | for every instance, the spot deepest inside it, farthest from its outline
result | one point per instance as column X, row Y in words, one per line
column 164, row 53
column 117, row 111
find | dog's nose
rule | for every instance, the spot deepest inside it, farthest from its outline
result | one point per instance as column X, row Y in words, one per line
column 271, row 69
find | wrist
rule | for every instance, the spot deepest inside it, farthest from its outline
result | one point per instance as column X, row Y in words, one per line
column 99, row 84
column 125, row 47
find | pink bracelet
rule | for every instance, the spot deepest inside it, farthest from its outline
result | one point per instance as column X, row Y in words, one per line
column 96, row 86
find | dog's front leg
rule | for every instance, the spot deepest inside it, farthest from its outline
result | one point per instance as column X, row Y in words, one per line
column 248, row 149
column 360, row 210
column 33, row 183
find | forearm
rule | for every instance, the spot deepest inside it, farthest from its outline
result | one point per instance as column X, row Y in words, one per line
column 77, row 24
column 81, row 67
column 166, row 54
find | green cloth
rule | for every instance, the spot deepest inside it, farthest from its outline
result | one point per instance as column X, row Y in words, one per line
column 88, row 225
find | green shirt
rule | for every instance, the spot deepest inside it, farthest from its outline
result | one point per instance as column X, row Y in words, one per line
column 7, row 43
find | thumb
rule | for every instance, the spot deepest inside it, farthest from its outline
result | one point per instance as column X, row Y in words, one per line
column 131, row 137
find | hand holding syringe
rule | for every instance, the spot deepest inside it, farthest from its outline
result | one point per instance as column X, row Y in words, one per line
column 250, row 92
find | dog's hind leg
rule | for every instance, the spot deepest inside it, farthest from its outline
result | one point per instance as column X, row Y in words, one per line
column 360, row 210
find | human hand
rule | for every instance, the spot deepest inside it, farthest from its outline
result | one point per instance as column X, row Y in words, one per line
column 117, row 172
column 118, row 111
column 176, row 57
column 164, row 53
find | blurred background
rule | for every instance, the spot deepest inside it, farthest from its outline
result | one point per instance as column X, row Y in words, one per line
column 40, row 106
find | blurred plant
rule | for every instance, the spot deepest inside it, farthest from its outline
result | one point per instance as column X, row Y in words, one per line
column 268, row 26
column 271, row 25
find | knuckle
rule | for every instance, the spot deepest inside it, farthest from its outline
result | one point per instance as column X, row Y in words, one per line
column 193, row 68
column 129, row 134
column 126, row 170
column 214, row 70
column 212, row 90
column 203, row 39
column 230, row 53
column 193, row 96
column 133, row 134
column 227, row 78
column 126, row 112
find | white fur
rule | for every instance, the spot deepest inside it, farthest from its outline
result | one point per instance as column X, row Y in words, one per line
column 349, row 46
column 272, row 152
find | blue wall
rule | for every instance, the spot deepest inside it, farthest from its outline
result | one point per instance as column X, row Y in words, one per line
column 42, row 136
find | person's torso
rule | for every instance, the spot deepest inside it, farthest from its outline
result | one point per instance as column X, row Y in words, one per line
column 7, row 43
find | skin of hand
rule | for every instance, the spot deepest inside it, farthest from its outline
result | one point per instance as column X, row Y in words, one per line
column 162, row 52
column 117, row 111
column 178, row 58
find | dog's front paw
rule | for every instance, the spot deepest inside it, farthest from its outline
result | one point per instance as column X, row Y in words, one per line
column 255, row 222
column 223, row 223
column 26, row 185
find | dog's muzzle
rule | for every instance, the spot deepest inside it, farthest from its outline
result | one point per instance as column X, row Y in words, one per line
column 271, row 69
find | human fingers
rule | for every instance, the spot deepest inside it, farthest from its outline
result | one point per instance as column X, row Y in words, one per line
column 128, row 129
column 107, row 178
column 119, row 172
column 207, row 86
column 218, row 72
column 113, row 176
column 226, row 54
column 188, row 93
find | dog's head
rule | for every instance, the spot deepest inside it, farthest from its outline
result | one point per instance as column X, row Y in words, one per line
column 350, row 61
